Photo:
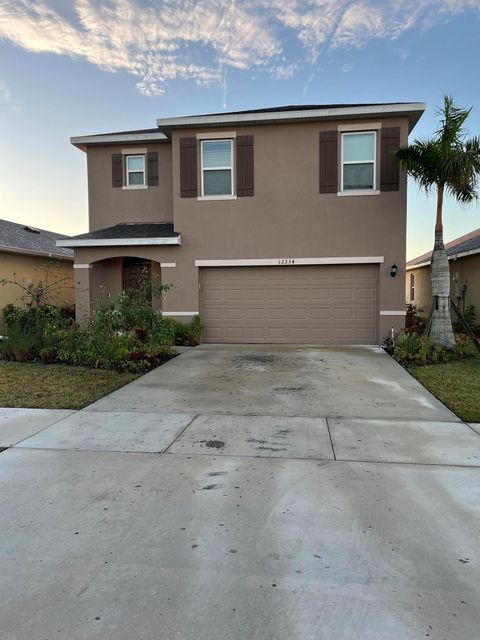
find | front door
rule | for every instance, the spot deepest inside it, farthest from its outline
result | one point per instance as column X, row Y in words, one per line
column 135, row 271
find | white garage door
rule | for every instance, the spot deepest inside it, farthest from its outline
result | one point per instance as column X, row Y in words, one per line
column 328, row 304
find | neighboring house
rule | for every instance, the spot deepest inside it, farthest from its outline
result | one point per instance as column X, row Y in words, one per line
column 26, row 255
column 464, row 261
column 275, row 225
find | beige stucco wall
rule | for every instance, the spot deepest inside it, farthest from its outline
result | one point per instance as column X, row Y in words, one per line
column 27, row 269
column 286, row 218
column 423, row 290
column 464, row 270
column 109, row 205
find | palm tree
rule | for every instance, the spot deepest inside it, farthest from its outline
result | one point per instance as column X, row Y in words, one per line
column 448, row 163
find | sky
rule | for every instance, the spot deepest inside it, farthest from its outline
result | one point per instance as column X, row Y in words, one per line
column 73, row 67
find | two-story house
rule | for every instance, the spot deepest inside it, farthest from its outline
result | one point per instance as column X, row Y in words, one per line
column 281, row 225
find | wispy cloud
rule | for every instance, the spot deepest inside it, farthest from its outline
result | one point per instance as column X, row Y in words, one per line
column 200, row 40
column 6, row 97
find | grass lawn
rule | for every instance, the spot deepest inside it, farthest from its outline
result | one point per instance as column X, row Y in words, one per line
column 456, row 384
column 55, row 386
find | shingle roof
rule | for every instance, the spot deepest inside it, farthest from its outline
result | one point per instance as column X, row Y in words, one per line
column 468, row 242
column 131, row 230
column 291, row 107
column 301, row 107
column 121, row 133
column 20, row 237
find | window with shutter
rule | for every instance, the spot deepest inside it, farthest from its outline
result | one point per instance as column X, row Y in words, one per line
column 359, row 151
column 217, row 168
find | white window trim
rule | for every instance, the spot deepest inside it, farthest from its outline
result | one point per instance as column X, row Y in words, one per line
column 200, row 198
column 358, row 192
column 129, row 171
column 134, row 152
column 363, row 127
column 217, row 135
column 412, row 287
column 226, row 196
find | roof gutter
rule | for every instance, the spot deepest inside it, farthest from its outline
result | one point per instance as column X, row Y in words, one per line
column 413, row 110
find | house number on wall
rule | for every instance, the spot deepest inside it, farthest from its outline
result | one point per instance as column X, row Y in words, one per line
column 286, row 261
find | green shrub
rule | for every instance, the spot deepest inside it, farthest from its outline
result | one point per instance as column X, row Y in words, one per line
column 189, row 334
column 470, row 315
column 20, row 345
column 163, row 332
column 124, row 334
column 411, row 348
column 407, row 346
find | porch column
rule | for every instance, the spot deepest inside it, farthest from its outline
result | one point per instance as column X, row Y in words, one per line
column 83, row 277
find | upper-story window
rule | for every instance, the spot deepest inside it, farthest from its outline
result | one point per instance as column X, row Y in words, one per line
column 359, row 161
column 217, row 168
column 135, row 171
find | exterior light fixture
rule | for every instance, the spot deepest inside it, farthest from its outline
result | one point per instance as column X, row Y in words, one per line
column 393, row 270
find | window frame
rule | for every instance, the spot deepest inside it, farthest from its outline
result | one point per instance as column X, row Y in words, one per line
column 129, row 171
column 343, row 162
column 227, row 196
column 412, row 287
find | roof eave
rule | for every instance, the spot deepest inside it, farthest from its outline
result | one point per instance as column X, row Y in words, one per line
column 37, row 254
column 453, row 256
column 82, row 142
column 118, row 242
column 412, row 110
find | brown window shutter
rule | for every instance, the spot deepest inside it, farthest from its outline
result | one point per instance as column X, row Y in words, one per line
column 328, row 162
column 117, row 170
column 152, row 168
column 188, row 168
column 389, row 167
column 244, row 166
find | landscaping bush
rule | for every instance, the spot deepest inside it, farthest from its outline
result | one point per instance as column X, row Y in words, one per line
column 411, row 348
column 470, row 315
column 189, row 334
column 124, row 332
column 414, row 322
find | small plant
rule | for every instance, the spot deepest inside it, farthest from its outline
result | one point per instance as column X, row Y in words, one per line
column 20, row 345
column 188, row 335
column 414, row 322
column 470, row 315
column 406, row 347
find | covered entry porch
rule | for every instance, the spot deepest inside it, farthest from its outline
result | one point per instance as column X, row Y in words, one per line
column 108, row 261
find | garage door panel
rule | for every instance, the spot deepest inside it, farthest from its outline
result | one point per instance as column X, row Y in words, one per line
column 325, row 304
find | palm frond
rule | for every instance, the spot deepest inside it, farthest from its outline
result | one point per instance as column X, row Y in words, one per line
column 452, row 119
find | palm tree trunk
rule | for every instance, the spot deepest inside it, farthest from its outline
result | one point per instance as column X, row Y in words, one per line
column 441, row 331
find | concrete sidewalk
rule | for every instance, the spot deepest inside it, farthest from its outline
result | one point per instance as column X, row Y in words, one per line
column 239, row 493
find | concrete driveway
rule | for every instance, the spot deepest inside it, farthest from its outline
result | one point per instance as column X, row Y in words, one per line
column 265, row 493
